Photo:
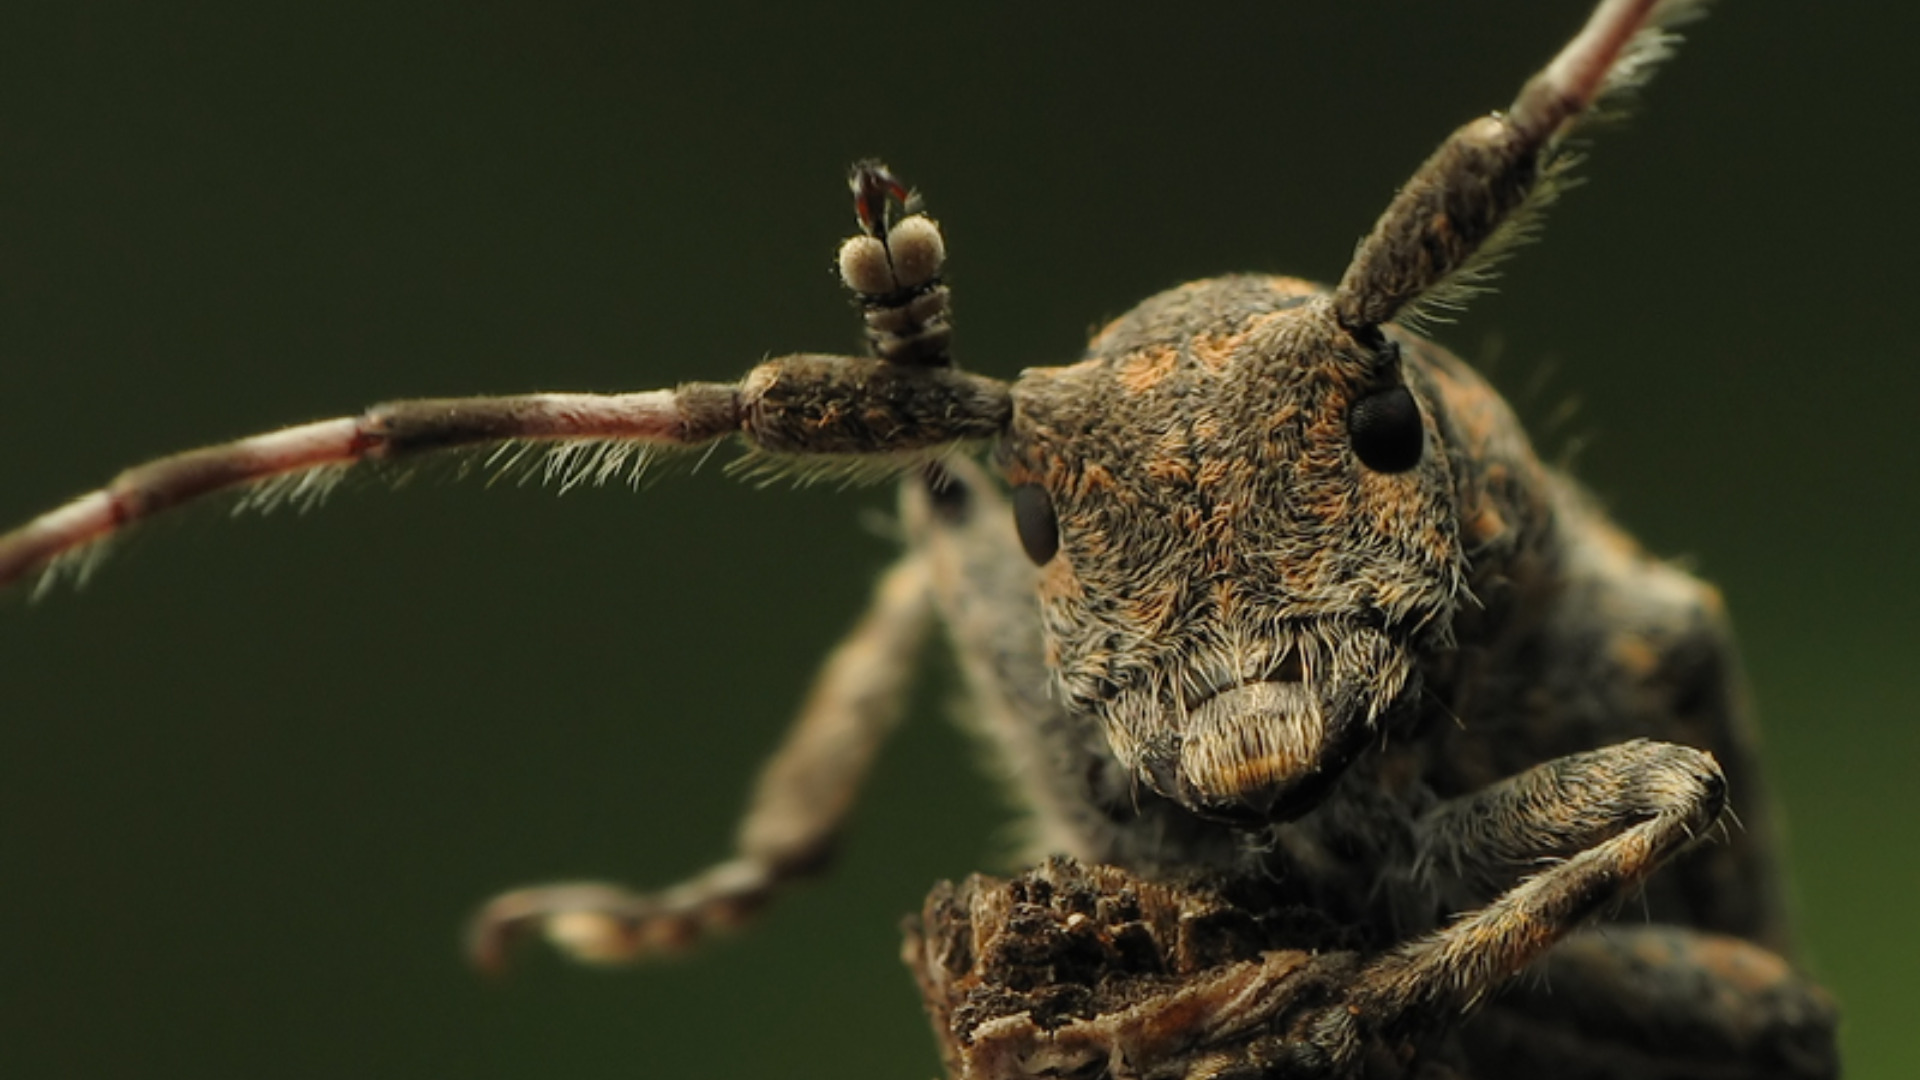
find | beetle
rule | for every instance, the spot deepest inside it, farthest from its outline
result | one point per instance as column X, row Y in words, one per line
column 1214, row 732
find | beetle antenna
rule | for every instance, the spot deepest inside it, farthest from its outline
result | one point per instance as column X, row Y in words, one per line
column 1482, row 192
column 893, row 268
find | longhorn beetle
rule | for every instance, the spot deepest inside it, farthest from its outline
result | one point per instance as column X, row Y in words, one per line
column 1267, row 592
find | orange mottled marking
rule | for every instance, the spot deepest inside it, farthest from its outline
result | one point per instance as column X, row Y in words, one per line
column 1220, row 526
column 1248, row 775
column 1096, row 477
column 1635, row 654
column 1216, row 351
column 1088, row 537
column 1741, row 963
column 1170, row 461
column 1486, row 525
column 1144, row 370
column 1157, row 609
column 1212, row 473
column 1059, row 582
column 1170, row 470
column 1019, row 471
column 1655, row 952
column 1225, row 597
column 1059, row 475
column 832, row 413
column 1476, row 410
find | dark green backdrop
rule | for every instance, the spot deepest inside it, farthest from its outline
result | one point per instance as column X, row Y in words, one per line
column 252, row 779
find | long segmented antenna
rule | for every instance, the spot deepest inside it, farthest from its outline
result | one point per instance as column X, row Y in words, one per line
column 802, row 416
column 1478, row 195
column 815, row 408
column 690, row 416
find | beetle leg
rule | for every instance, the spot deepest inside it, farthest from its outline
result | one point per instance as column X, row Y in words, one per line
column 1600, row 822
column 803, row 796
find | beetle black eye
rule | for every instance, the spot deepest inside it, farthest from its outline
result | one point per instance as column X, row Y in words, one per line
column 1385, row 430
column 1034, row 520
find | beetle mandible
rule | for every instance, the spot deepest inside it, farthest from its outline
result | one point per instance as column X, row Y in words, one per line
column 1308, row 605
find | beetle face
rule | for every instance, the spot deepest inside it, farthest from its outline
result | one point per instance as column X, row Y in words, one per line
column 1246, row 532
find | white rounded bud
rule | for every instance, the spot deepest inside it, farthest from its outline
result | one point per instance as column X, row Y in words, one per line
column 918, row 250
column 864, row 267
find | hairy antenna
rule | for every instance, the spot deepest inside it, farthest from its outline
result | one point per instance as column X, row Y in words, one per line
column 802, row 416
column 809, row 407
column 1480, row 194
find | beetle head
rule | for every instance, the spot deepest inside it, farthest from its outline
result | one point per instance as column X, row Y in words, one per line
column 1244, row 519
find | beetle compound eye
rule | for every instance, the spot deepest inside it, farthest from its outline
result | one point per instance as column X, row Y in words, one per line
column 1386, row 431
column 1034, row 519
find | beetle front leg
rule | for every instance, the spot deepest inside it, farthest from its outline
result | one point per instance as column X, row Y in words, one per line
column 1618, row 1002
column 1591, row 826
column 803, row 795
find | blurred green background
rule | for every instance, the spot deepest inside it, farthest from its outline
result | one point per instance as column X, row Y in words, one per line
column 253, row 778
